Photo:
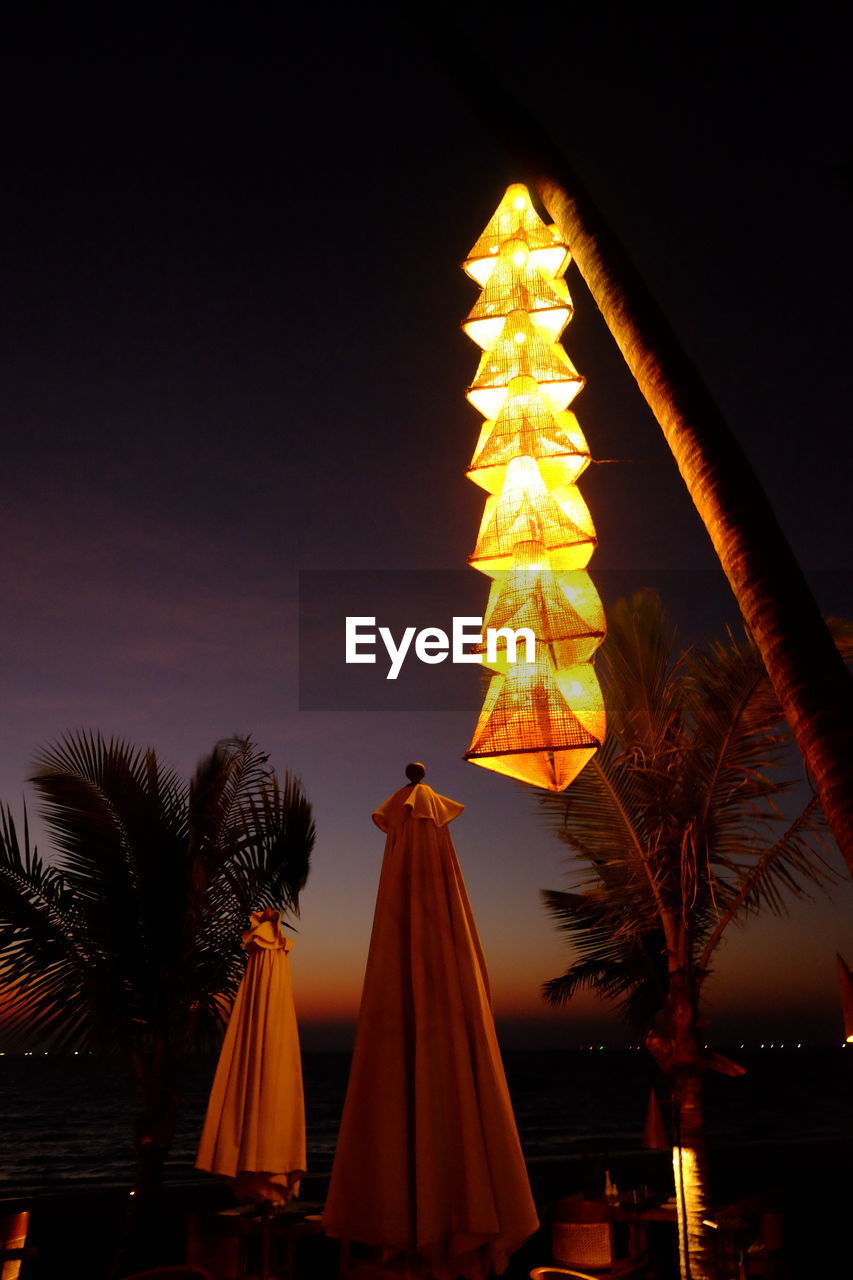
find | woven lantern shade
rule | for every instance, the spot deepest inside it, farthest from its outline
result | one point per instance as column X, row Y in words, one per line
column 516, row 219
column 521, row 351
column 527, row 427
column 563, row 611
column 517, row 285
column 524, row 511
column 845, row 979
column 543, row 718
column 530, row 729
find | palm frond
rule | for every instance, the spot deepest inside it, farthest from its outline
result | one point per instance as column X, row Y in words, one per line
column 675, row 823
column 785, row 869
column 638, row 665
column 135, row 932
column 102, row 801
column 739, row 740
column 223, row 785
column 601, row 818
column 269, row 865
column 45, row 958
column 622, row 961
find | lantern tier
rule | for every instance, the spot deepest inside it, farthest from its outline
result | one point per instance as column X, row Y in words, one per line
column 516, row 219
column 540, row 724
column 521, row 351
column 516, row 284
column 563, row 611
column 527, row 511
column 526, row 426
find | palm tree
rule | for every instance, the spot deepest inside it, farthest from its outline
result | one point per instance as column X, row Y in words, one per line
column 812, row 684
column 678, row 827
column 128, row 942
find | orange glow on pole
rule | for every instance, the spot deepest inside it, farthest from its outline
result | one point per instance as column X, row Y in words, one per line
column 542, row 720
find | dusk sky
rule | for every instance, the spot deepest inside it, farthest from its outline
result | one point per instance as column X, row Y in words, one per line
column 231, row 352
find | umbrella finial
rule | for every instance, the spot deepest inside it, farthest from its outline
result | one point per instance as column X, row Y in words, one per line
column 415, row 772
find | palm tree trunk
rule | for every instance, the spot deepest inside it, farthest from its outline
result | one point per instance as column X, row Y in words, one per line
column 810, row 679
column 814, row 688
column 680, row 1056
column 154, row 1126
column 154, row 1129
column 141, row 1239
column 690, row 1168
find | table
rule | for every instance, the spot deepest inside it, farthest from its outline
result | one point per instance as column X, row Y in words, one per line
column 653, row 1211
column 224, row 1242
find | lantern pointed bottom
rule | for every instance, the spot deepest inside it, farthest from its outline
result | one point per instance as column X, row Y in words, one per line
column 550, row 770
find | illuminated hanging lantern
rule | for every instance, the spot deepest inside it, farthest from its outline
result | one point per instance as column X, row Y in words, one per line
column 543, row 716
column 516, row 284
column 521, row 351
column 516, row 219
column 526, row 427
column 563, row 611
column 539, row 725
column 525, row 510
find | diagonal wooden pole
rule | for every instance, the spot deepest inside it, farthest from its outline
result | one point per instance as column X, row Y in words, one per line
column 814, row 687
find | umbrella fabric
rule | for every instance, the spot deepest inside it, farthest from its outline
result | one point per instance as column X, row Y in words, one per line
column 654, row 1134
column 254, row 1130
column 428, row 1165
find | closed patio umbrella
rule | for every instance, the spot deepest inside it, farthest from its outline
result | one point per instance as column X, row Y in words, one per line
column 428, row 1167
column 654, row 1133
column 254, row 1130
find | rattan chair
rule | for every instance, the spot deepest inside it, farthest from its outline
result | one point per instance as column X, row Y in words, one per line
column 548, row 1273
column 590, row 1245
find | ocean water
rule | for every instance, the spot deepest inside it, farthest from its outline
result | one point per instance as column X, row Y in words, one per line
column 68, row 1119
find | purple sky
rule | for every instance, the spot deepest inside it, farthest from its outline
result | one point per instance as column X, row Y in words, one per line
column 230, row 351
